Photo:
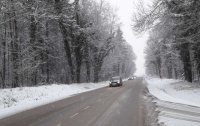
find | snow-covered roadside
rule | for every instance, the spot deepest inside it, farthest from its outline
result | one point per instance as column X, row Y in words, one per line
column 176, row 91
column 176, row 122
column 20, row 99
column 178, row 102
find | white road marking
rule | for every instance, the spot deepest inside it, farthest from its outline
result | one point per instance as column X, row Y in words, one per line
column 74, row 115
column 86, row 107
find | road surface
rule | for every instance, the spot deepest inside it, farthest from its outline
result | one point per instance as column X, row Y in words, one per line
column 116, row 106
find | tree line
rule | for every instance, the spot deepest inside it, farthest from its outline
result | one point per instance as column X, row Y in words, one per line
column 173, row 47
column 60, row 41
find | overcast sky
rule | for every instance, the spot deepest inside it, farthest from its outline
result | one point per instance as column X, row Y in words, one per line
column 125, row 12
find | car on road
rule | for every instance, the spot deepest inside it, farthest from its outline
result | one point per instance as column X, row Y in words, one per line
column 132, row 78
column 116, row 81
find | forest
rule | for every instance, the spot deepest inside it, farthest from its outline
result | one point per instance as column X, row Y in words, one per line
column 61, row 41
column 173, row 47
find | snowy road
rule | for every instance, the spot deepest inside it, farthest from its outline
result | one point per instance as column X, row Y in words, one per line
column 120, row 106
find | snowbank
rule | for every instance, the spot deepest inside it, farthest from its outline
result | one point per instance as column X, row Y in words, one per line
column 178, row 102
column 177, row 122
column 176, row 91
column 20, row 99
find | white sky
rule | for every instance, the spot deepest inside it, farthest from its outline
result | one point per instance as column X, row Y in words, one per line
column 125, row 13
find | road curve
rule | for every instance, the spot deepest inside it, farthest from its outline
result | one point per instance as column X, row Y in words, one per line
column 119, row 106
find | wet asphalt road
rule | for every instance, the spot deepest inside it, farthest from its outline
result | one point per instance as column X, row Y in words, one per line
column 116, row 106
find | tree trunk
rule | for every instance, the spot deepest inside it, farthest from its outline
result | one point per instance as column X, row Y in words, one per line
column 175, row 73
column 4, row 54
column 78, row 55
column 67, row 50
column 15, row 56
column 64, row 32
column 2, row 80
column 185, row 56
column 97, row 69
column 169, row 72
column 47, row 55
column 158, row 60
column 78, row 64
column 32, row 42
column 78, row 44
column 88, row 70
column 159, row 71
column 96, row 73
column 87, row 62
column 14, row 46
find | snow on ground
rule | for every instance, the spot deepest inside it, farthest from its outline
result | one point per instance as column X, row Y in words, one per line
column 177, row 101
column 20, row 99
column 176, row 91
column 177, row 122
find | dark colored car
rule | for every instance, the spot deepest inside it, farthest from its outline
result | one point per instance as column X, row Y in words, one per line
column 115, row 82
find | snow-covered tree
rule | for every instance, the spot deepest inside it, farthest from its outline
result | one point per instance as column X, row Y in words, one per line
column 175, row 26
